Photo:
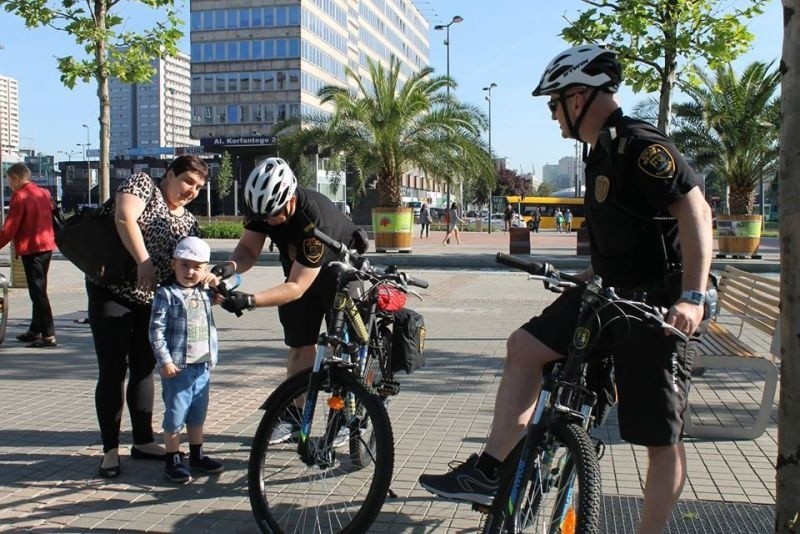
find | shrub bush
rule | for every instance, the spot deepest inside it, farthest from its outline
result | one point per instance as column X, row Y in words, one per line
column 221, row 230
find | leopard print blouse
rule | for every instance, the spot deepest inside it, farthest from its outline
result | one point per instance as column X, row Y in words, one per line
column 161, row 231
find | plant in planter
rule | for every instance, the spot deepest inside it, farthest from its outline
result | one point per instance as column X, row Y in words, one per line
column 387, row 128
column 732, row 126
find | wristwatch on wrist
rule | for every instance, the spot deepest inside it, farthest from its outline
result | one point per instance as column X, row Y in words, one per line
column 695, row 297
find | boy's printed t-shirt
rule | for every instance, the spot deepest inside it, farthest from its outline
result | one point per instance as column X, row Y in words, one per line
column 197, row 339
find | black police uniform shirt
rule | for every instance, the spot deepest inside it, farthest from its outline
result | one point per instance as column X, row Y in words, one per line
column 632, row 175
column 295, row 238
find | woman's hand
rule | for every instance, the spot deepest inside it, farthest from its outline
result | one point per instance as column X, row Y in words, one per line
column 169, row 370
column 146, row 276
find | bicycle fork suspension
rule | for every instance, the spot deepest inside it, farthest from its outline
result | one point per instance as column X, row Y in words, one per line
column 527, row 457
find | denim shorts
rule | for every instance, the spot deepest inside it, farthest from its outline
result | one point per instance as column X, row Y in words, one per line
column 186, row 397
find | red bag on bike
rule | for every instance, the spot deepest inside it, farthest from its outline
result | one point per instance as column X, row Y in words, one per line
column 390, row 298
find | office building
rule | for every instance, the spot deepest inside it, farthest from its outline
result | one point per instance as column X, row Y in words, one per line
column 258, row 62
column 9, row 121
column 150, row 119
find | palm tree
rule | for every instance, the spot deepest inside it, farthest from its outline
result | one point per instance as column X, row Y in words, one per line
column 732, row 125
column 387, row 129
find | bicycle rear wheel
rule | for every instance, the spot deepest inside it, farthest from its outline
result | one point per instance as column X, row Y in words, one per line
column 327, row 492
column 561, row 494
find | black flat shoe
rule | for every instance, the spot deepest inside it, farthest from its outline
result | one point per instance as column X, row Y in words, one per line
column 137, row 454
column 43, row 343
column 108, row 472
column 28, row 336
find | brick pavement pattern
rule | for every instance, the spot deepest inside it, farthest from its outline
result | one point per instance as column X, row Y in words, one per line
column 50, row 447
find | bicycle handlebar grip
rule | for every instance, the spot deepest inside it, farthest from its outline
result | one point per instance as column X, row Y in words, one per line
column 530, row 267
column 331, row 242
column 419, row 282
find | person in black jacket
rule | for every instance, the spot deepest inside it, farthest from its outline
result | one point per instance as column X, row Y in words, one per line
column 649, row 232
column 287, row 215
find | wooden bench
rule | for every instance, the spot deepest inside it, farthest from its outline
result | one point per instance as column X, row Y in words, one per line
column 745, row 299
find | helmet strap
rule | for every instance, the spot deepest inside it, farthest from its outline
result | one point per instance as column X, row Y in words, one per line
column 574, row 129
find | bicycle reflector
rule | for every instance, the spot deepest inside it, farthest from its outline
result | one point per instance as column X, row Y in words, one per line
column 390, row 298
column 336, row 403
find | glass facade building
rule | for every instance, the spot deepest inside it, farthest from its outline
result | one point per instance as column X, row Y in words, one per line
column 257, row 62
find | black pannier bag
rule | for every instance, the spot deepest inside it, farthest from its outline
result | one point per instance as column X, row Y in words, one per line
column 408, row 341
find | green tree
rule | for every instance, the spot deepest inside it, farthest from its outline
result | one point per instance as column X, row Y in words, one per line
column 544, row 190
column 787, row 505
column 731, row 126
column 225, row 177
column 657, row 39
column 112, row 51
column 387, row 129
column 305, row 173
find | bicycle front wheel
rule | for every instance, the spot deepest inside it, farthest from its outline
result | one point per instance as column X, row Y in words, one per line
column 561, row 490
column 323, row 490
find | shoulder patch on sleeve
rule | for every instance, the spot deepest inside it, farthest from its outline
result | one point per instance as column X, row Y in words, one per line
column 656, row 161
column 313, row 249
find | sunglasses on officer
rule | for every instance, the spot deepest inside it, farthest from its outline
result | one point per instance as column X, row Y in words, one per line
column 552, row 105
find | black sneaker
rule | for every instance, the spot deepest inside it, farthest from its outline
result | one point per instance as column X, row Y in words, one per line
column 464, row 483
column 288, row 427
column 207, row 464
column 176, row 471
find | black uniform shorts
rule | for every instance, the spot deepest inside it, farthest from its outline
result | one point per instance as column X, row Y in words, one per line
column 651, row 369
column 302, row 318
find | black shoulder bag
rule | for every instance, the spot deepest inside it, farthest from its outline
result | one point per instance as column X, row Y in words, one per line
column 89, row 239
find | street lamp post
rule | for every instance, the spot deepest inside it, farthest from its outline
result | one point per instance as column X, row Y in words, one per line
column 88, row 170
column 446, row 27
column 491, row 156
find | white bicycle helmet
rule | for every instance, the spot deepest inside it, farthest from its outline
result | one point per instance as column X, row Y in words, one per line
column 269, row 187
column 585, row 65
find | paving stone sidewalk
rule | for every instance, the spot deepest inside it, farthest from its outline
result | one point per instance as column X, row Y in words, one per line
column 50, row 448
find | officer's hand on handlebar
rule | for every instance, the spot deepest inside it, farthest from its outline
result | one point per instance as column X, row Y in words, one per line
column 224, row 270
column 238, row 301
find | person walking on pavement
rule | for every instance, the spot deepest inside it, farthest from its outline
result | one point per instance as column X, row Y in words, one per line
column 424, row 220
column 568, row 220
column 641, row 196
column 508, row 216
column 287, row 215
column 452, row 224
column 30, row 225
column 150, row 219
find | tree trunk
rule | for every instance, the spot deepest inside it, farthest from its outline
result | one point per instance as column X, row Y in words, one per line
column 787, row 509
column 388, row 192
column 101, row 12
column 742, row 201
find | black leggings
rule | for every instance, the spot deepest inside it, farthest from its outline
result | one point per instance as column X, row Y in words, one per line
column 36, row 267
column 120, row 331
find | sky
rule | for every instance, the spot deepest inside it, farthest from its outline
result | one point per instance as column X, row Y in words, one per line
column 506, row 42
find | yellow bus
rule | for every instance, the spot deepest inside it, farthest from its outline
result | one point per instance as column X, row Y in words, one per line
column 547, row 206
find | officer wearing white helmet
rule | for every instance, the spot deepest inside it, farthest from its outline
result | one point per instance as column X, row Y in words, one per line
column 287, row 214
column 650, row 234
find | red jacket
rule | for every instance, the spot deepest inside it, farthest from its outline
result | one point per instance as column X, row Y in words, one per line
column 30, row 221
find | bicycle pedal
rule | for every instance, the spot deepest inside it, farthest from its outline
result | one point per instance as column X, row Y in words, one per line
column 388, row 387
column 599, row 447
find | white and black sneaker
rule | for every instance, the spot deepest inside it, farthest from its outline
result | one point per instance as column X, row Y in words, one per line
column 288, row 427
column 464, row 483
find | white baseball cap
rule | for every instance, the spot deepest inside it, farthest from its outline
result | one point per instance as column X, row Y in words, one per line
column 192, row 248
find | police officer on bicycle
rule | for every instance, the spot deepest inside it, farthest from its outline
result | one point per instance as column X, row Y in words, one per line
column 650, row 235
column 287, row 215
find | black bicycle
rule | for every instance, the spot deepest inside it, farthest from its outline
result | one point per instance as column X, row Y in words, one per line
column 300, row 476
column 550, row 482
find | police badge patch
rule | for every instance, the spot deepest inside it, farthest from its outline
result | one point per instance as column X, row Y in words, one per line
column 656, row 161
column 313, row 249
column 601, row 186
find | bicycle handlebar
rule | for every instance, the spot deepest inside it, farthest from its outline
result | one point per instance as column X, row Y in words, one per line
column 352, row 257
column 552, row 277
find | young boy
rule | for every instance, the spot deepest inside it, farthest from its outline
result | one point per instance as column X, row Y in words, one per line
column 184, row 340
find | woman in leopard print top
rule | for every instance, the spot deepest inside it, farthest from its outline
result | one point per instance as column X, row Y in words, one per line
column 150, row 220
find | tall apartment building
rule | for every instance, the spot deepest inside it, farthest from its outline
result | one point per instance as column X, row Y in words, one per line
column 149, row 119
column 9, row 121
column 257, row 62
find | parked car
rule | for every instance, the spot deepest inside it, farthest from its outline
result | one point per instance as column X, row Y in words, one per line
column 437, row 214
column 498, row 222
